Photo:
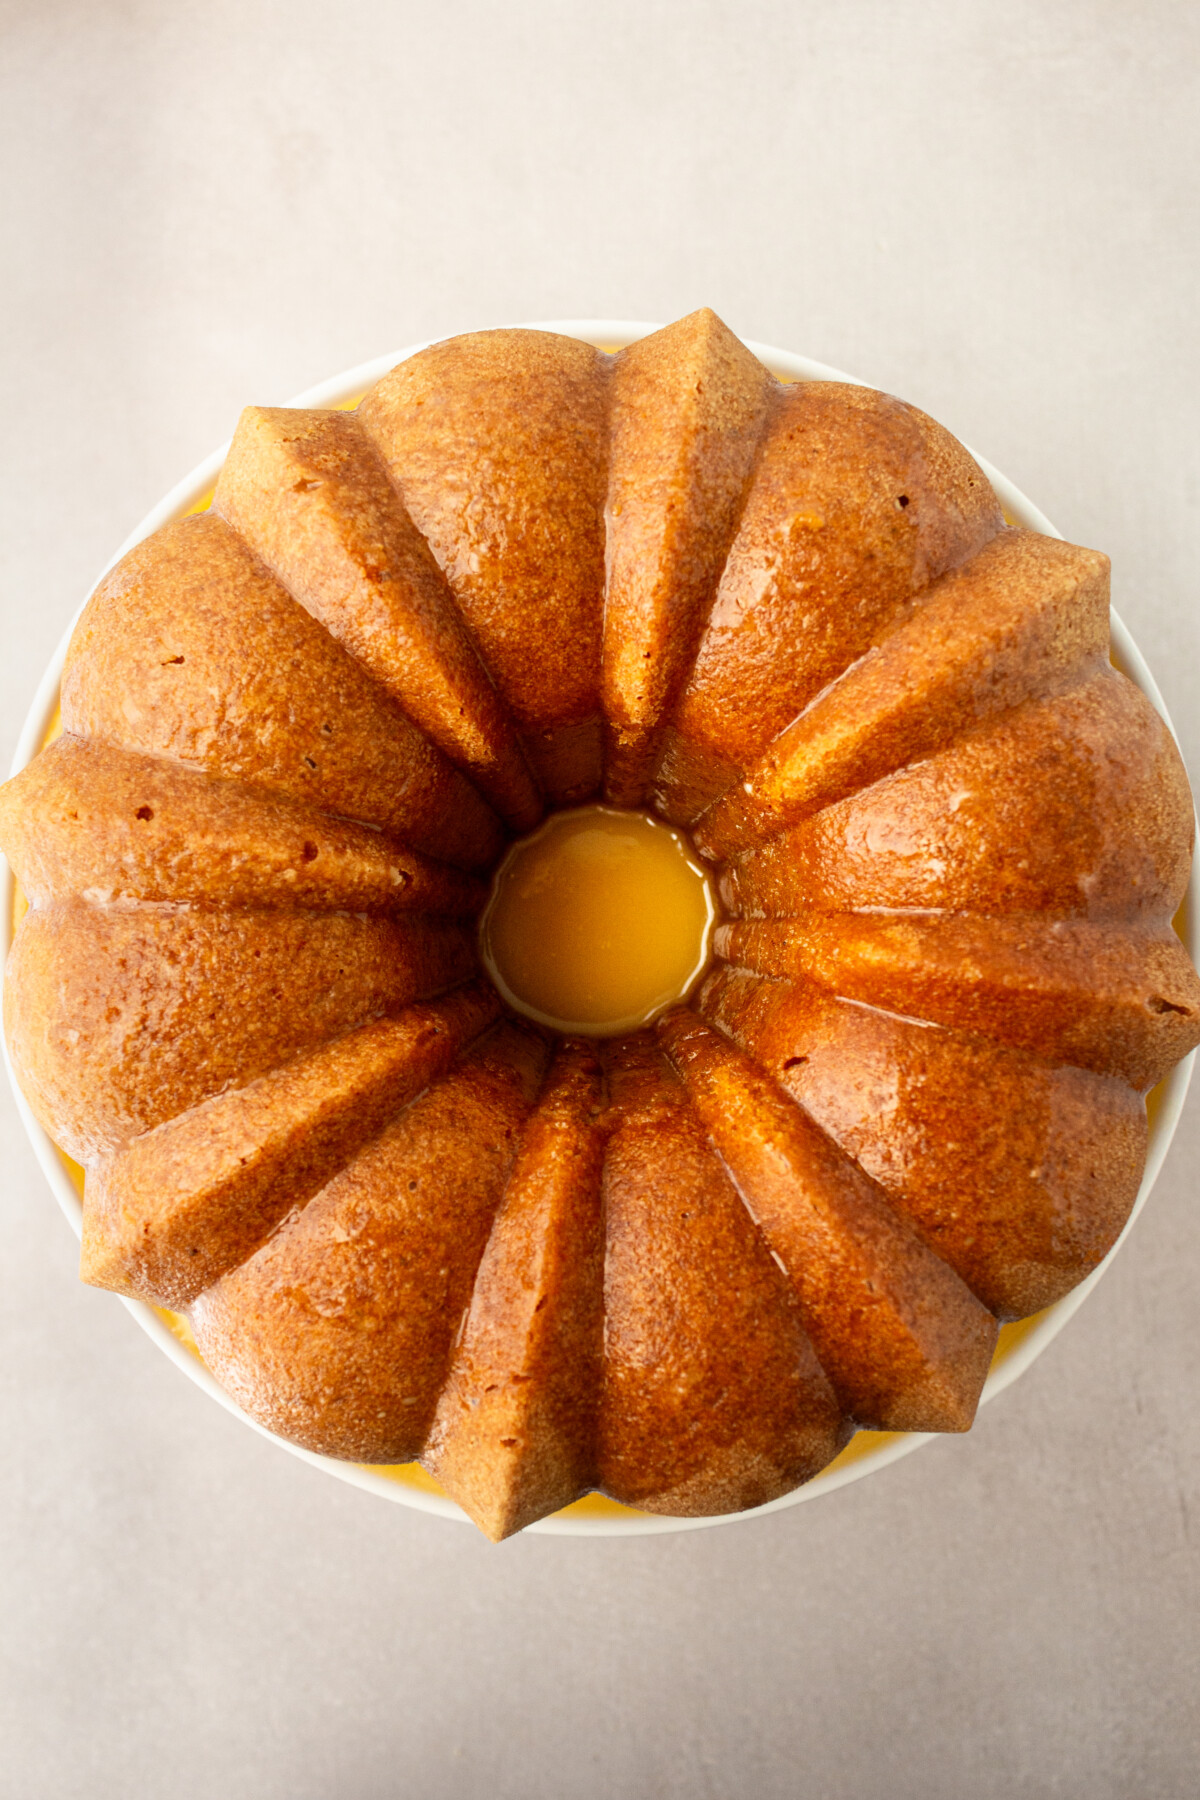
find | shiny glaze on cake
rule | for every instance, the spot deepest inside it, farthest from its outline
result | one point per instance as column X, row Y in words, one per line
column 908, row 1101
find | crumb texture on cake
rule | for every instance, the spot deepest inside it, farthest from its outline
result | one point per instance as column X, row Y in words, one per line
column 906, row 1103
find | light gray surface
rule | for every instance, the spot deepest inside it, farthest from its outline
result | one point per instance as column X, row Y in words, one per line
column 991, row 210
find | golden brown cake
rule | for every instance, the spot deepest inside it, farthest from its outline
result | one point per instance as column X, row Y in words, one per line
column 906, row 1103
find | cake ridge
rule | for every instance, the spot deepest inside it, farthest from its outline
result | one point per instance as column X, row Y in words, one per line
column 1025, row 614
column 1120, row 1000
column 721, row 393
column 189, row 599
column 380, row 1262
column 905, row 1344
column 264, row 1149
column 1021, row 1210
column 117, row 824
column 1102, row 832
column 514, row 1430
column 340, row 540
column 827, row 510
column 668, row 1202
column 478, row 438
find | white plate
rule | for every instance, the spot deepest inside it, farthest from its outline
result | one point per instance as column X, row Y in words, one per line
column 1020, row 1344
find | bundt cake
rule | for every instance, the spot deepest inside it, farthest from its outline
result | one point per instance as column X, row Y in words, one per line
column 681, row 1265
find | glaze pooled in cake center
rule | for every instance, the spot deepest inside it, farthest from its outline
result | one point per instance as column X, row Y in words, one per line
column 597, row 922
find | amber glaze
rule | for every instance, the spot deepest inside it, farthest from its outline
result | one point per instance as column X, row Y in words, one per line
column 598, row 922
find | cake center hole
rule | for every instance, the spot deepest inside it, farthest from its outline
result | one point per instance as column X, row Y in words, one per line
column 597, row 921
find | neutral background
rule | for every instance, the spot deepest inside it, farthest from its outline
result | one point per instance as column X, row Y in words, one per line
column 991, row 210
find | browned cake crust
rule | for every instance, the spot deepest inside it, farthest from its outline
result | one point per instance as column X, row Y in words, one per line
column 857, row 504
column 1075, row 805
column 310, row 496
column 1018, row 1173
column 338, row 1332
column 159, row 663
column 110, row 824
column 515, row 1433
column 1029, row 614
column 907, row 1102
column 176, row 1208
column 904, row 1342
column 122, row 1016
column 699, row 1324
column 497, row 445
column 688, row 410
